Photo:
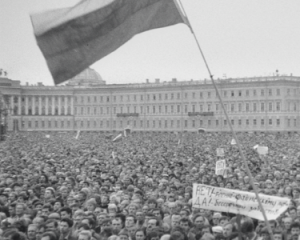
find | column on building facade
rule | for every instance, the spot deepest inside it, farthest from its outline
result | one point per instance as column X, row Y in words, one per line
column 26, row 105
column 59, row 105
column 65, row 99
column 66, row 105
column 33, row 104
column 11, row 104
column 72, row 105
column 53, row 104
column 46, row 105
column 19, row 105
column 40, row 105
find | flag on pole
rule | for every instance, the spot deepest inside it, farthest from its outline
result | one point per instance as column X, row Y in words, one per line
column 71, row 39
column 77, row 135
column 256, row 146
column 113, row 155
column 127, row 131
column 118, row 138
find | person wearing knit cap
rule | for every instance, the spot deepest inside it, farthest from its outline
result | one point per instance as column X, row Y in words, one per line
column 269, row 184
column 165, row 237
column 216, row 218
column 149, row 181
column 85, row 191
column 124, row 204
column 123, row 234
column 112, row 208
column 82, row 196
column 217, row 231
column 91, row 204
column 130, row 188
column 49, row 196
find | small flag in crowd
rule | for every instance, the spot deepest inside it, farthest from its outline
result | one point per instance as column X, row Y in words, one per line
column 71, row 39
column 262, row 150
column 127, row 131
column 47, row 136
column 77, row 135
column 118, row 138
column 233, row 142
column 256, row 146
column 220, row 152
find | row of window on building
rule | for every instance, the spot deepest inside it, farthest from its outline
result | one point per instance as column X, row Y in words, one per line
column 209, row 107
column 153, row 96
column 186, row 95
column 42, row 111
column 42, row 99
column 36, row 124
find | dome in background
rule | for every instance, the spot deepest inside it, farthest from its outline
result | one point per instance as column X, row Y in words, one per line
column 87, row 77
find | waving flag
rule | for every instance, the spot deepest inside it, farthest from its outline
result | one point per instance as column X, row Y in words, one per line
column 118, row 138
column 71, row 39
column 77, row 135
column 256, row 146
column 233, row 142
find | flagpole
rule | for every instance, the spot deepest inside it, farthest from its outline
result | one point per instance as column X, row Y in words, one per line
column 229, row 123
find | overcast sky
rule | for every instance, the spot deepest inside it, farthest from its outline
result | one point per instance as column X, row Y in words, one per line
column 240, row 38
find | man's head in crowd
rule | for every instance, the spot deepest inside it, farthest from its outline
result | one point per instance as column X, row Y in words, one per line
column 117, row 225
column 65, row 226
column 228, row 228
column 31, row 231
column 287, row 223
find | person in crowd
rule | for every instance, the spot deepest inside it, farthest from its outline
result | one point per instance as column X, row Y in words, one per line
column 61, row 188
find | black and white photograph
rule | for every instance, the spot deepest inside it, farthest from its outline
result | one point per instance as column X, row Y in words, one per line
column 149, row 120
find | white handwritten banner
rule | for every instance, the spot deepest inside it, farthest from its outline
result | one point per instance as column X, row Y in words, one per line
column 220, row 152
column 221, row 167
column 238, row 202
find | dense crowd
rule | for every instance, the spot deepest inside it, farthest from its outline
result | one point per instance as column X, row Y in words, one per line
column 56, row 187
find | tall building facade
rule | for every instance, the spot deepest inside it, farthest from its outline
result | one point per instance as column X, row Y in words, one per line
column 87, row 103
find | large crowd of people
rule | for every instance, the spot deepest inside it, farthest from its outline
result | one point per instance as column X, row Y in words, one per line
column 56, row 187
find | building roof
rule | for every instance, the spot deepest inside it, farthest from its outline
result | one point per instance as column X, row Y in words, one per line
column 86, row 78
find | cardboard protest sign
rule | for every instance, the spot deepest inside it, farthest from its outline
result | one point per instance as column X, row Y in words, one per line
column 47, row 136
column 238, row 202
column 220, row 152
column 262, row 150
column 221, row 167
